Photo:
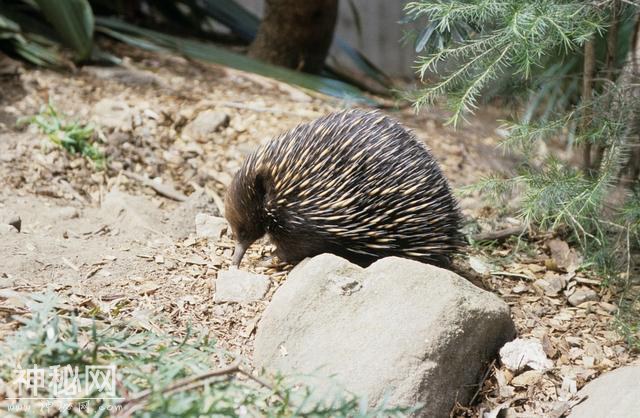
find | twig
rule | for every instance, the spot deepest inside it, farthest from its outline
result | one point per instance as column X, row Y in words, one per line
column 499, row 234
column 484, row 377
column 506, row 273
column 181, row 385
column 262, row 383
column 161, row 189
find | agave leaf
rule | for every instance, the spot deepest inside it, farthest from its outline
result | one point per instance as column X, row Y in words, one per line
column 74, row 22
column 234, row 16
column 199, row 50
column 132, row 40
column 8, row 24
column 424, row 37
column 35, row 48
column 38, row 54
column 366, row 66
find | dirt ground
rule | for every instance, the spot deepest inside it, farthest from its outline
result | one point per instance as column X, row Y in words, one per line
column 107, row 242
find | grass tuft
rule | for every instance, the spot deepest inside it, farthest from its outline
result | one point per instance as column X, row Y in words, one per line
column 75, row 137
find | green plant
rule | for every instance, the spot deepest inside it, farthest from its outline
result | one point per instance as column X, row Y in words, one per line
column 570, row 63
column 75, row 137
column 156, row 374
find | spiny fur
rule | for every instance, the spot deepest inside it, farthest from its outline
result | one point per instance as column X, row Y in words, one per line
column 353, row 183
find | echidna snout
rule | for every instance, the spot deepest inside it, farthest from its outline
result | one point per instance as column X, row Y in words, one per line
column 353, row 183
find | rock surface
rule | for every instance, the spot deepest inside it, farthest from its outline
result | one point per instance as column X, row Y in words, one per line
column 240, row 286
column 113, row 114
column 401, row 331
column 205, row 124
column 7, row 229
column 613, row 395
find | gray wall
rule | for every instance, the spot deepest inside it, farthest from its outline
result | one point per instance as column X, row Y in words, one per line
column 381, row 32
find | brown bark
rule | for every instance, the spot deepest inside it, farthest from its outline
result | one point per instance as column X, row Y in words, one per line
column 612, row 48
column 587, row 91
column 296, row 34
column 632, row 76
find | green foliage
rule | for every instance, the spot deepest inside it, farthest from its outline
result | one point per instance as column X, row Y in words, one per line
column 541, row 47
column 513, row 37
column 73, row 20
column 157, row 374
column 75, row 137
column 22, row 35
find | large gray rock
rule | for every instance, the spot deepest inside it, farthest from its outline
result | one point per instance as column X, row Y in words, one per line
column 401, row 331
column 613, row 395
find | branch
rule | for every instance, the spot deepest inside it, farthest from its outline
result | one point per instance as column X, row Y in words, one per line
column 499, row 234
column 137, row 401
column 161, row 189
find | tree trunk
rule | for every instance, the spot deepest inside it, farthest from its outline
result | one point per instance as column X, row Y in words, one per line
column 587, row 91
column 296, row 34
column 610, row 65
column 631, row 75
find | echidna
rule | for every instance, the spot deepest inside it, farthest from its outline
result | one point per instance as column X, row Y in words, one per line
column 353, row 183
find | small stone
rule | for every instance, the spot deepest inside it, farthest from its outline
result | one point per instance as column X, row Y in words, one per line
column 240, row 286
column 528, row 378
column 520, row 288
column 552, row 284
column 205, row 124
column 524, row 352
column 582, row 295
column 211, row 227
column 480, row 265
column 609, row 307
column 556, row 284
